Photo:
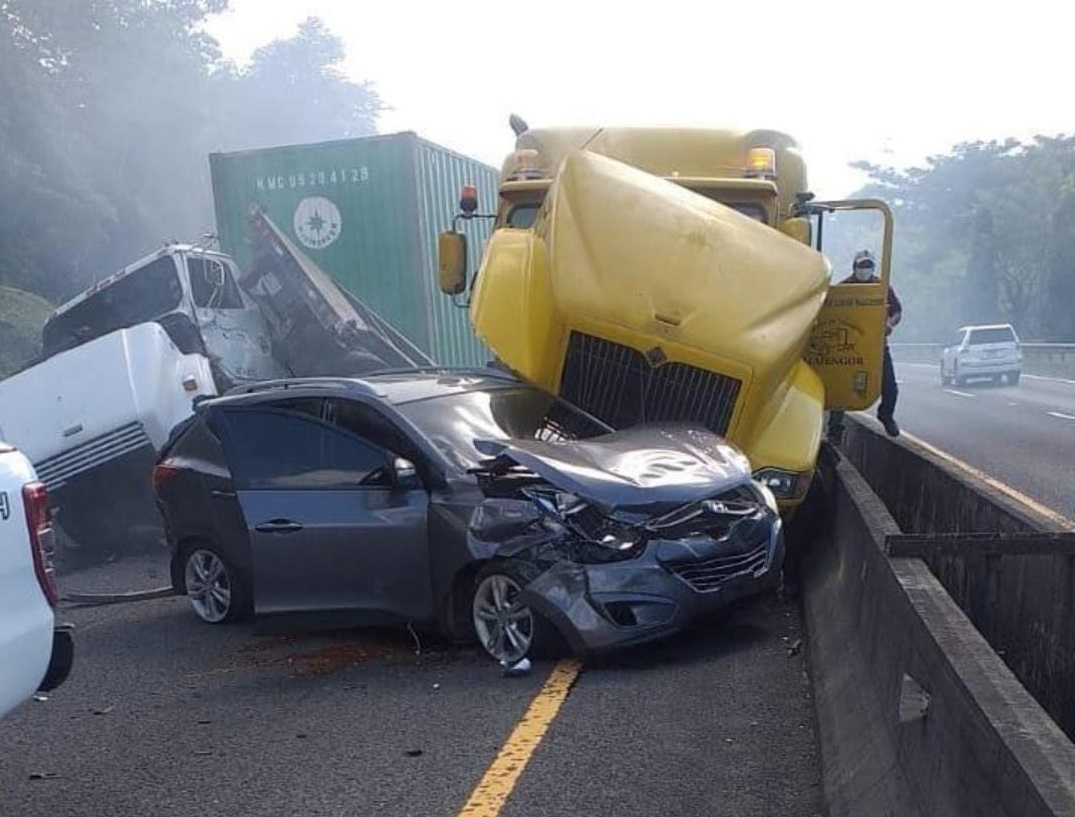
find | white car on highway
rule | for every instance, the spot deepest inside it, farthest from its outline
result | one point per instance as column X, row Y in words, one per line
column 992, row 352
column 35, row 653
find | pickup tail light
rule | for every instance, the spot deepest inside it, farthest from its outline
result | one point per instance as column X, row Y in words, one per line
column 38, row 520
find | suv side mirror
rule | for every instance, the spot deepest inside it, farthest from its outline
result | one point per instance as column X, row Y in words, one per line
column 452, row 262
column 404, row 470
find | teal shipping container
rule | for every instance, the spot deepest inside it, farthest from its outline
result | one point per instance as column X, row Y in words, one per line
column 366, row 211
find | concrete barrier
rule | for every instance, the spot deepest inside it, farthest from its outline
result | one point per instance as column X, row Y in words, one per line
column 917, row 715
column 1021, row 598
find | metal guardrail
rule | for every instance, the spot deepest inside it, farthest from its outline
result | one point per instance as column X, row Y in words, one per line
column 1056, row 359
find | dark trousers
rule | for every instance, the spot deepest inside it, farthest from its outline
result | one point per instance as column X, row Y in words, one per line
column 887, row 408
column 889, row 389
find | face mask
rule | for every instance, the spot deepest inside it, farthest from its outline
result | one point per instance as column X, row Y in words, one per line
column 863, row 273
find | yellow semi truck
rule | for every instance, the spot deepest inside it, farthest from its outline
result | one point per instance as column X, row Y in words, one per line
column 660, row 274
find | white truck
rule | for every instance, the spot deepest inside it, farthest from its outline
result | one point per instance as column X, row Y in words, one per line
column 35, row 652
column 123, row 363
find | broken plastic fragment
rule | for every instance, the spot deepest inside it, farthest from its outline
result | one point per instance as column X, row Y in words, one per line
column 914, row 700
column 516, row 670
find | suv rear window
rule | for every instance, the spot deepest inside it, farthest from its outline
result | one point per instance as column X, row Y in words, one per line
column 1002, row 334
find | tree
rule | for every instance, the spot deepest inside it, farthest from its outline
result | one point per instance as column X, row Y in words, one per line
column 110, row 108
column 295, row 91
column 981, row 235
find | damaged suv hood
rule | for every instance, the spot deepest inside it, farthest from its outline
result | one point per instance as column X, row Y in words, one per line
column 632, row 468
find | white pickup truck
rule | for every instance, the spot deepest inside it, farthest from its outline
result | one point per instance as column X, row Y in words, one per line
column 35, row 652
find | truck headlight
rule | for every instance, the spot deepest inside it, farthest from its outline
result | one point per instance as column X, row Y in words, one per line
column 783, row 484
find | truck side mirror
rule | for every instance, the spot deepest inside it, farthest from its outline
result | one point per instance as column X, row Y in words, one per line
column 452, row 262
column 799, row 229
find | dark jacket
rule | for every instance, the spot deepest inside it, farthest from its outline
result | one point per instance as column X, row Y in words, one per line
column 895, row 308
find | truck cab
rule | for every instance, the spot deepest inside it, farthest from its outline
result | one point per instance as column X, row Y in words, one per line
column 125, row 361
column 191, row 292
column 656, row 274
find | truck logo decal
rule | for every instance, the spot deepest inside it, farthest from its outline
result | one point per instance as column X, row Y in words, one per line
column 835, row 343
column 317, row 222
column 5, row 506
column 655, row 357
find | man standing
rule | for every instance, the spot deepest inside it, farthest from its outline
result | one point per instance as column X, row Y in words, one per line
column 864, row 271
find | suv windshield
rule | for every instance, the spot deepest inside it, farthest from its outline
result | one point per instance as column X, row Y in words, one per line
column 1001, row 334
column 454, row 421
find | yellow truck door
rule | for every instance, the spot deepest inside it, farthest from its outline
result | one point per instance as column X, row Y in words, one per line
column 847, row 345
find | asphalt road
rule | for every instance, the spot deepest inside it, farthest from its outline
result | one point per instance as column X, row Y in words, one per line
column 167, row 716
column 1023, row 435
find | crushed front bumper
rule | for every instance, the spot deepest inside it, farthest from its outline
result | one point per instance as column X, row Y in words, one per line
column 599, row 608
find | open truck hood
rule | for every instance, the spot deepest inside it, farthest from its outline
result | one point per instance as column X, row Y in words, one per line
column 654, row 465
column 317, row 327
column 629, row 249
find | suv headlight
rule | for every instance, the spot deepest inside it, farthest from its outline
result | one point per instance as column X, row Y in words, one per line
column 768, row 495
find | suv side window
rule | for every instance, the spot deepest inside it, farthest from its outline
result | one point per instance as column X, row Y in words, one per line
column 367, row 422
column 275, row 449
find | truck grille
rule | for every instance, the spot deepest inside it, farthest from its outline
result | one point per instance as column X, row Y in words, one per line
column 710, row 574
column 58, row 469
column 618, row 385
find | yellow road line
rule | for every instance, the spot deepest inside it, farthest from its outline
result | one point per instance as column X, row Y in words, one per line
column 499, row 780
column 1009, row 491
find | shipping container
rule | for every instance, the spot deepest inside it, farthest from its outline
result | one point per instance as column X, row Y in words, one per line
column 367, row 211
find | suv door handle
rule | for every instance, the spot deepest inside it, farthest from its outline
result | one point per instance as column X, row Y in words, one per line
column 279, row 526
column 220, row 494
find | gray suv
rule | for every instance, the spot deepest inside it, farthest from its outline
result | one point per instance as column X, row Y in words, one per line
column 462, row 501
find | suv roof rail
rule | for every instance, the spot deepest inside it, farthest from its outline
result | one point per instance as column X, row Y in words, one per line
column 480, row 371
column 356, row 383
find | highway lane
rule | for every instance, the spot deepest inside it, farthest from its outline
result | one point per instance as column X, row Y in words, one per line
column 164, row 715
column 1023, row 435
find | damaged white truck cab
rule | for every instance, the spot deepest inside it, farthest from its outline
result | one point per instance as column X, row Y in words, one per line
column 123, row 362
column 192, row 293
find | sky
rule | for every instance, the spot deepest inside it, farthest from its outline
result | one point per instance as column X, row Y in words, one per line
column 891, row 83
